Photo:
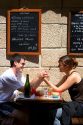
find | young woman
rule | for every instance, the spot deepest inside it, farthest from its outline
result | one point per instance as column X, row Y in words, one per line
column 72, row 82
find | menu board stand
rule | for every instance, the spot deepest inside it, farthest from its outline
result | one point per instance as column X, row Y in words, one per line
column 75, row 33
column 24, row 31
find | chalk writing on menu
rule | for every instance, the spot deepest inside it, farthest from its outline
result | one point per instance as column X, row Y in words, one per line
column 76, row 35
column 24, row 31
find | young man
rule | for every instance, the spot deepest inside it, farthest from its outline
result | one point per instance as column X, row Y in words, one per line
column 10, row 81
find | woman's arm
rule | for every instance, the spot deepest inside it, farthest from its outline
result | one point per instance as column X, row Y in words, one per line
column 55, row 88
column 72, row 79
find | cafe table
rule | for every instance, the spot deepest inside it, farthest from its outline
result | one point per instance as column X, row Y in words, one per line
column 41, row 110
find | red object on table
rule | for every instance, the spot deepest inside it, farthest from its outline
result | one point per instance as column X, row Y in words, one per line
column 37, row 93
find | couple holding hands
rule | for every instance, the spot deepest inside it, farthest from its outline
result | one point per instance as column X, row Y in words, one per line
column 71, row 81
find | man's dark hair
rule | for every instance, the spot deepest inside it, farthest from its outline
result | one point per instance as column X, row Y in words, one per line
column 17, row 58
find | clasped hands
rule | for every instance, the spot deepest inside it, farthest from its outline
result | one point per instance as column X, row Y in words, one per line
column 42, row 75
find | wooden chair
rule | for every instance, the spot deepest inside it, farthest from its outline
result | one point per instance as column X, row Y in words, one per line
column 77, row 120
column 6, row 120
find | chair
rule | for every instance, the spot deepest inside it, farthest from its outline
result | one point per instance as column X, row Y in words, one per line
column 77, row 120
column 6, row 119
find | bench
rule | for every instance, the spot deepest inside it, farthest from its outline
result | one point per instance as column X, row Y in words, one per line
column 77, row 120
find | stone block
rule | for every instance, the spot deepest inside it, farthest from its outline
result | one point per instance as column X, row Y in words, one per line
column 2, row 27
column 54, row 75
column 51, row 35
column 80, row 61
column 2, row 40
column 2, row 19
column 80, row 70
column 64, row 36
column 4, row 61
column 3, row 69
column 51, row 16
column 50, row 56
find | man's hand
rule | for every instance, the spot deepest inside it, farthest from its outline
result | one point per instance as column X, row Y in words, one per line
column 40, row 78
column 42, row 75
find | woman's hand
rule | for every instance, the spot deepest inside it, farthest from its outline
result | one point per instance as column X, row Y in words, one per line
column 54, row 87
column 40, row 78
column 43, row 75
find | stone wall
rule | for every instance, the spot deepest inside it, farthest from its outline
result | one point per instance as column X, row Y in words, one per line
column 53, row 35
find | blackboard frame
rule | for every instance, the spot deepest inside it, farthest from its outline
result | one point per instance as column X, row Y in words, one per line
column 69, row 30
column 35, row 11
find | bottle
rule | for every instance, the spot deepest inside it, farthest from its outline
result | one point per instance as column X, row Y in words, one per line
column 27, row 87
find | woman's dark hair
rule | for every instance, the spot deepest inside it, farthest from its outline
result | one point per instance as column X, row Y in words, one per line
column 68, row 61
column 17, row 58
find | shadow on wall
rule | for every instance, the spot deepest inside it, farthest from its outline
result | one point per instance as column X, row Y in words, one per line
column 45, row 5
column 58, row 6
column 34, row 59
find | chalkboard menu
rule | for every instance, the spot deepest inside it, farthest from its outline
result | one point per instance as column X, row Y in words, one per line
column 75, row 33
column 24, row 31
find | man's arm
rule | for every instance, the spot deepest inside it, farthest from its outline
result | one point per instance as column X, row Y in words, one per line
column 36, row 81
column 40, row 78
